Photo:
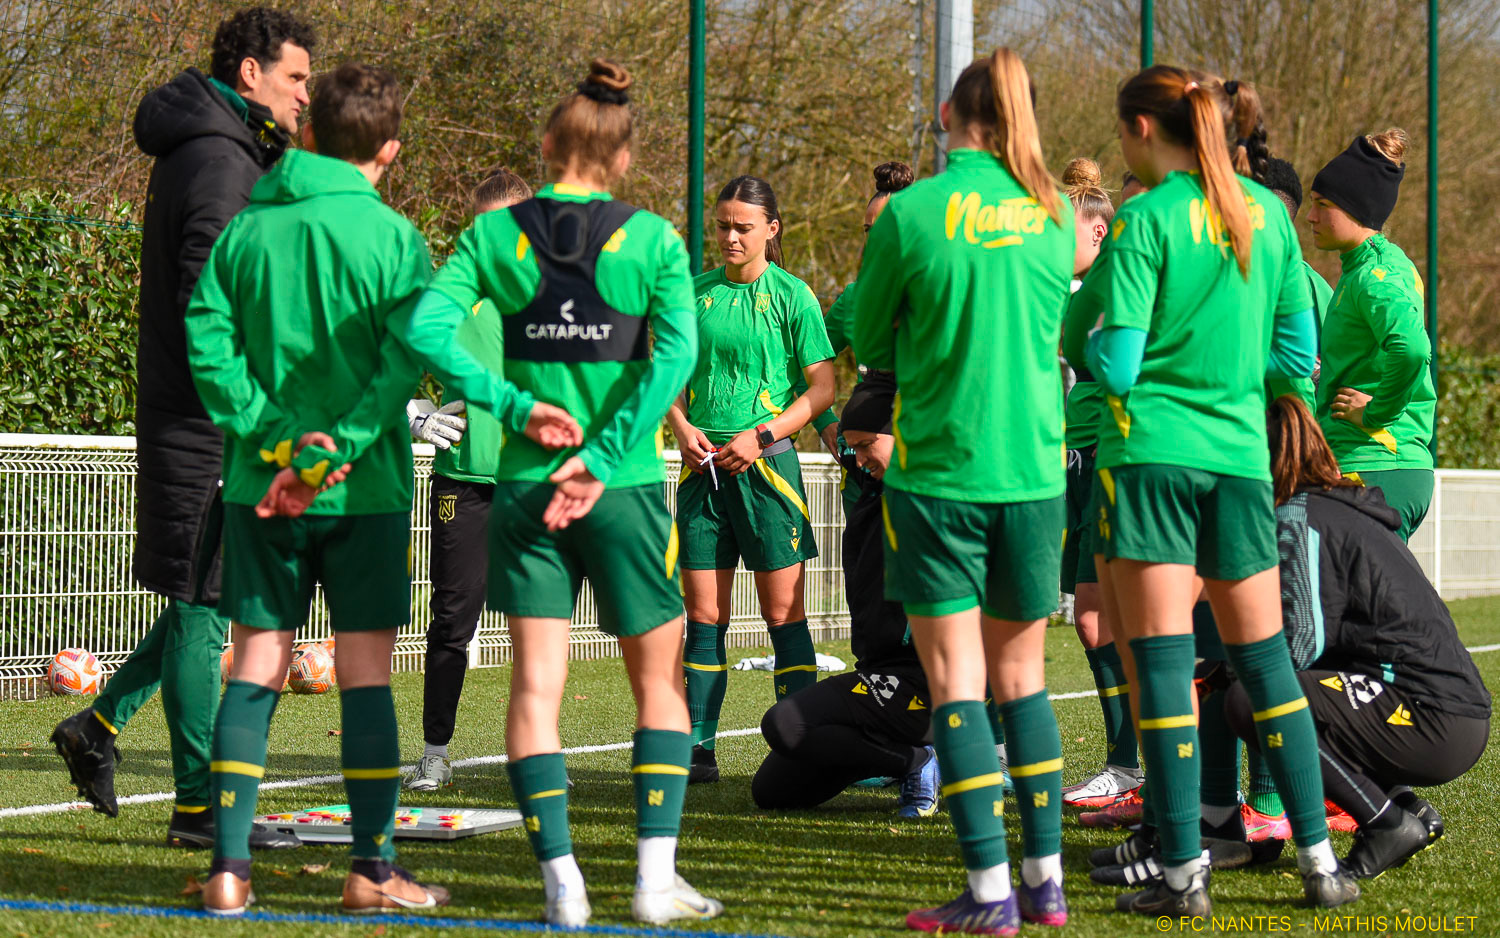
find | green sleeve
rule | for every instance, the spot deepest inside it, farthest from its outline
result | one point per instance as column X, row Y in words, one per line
column 1132, row 273
column 1295, row 295
column 231, row 395
column 809, row 338
column 1083, row 312
column 674, row 352
column 1396, row 321
column 383, row 404
column 877, row 304
column 432, row 335
column 836, row 323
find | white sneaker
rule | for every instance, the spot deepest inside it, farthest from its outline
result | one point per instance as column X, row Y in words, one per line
column 433, row 772
column 678, row 902
column 569, row 911
column 1110, row 785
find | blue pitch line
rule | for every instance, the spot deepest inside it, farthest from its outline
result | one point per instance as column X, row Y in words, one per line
column 315, row 918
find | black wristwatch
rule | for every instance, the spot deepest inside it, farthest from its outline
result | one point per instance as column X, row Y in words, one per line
column 764, row 436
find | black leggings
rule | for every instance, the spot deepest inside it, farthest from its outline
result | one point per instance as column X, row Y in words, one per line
column 1372, row 739
column 460, row 516
column 851, row 726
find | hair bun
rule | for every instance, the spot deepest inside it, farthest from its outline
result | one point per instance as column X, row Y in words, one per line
column 606, row 83
column 1082, row 174
column 1391, row 143
column 893, row 176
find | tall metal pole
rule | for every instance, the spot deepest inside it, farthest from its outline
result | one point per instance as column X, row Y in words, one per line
column 918, row 121
column 954, row 51
column 1148, row 33
column 1432, row 193
column 697, row 59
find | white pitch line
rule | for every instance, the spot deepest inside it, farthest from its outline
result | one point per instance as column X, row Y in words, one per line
column 320, row 779
column 461, row 763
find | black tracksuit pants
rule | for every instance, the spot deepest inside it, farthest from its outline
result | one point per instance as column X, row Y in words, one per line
column 459, row 513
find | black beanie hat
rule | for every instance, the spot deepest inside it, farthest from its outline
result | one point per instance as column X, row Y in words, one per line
column 1362, row 182
column 869, row 407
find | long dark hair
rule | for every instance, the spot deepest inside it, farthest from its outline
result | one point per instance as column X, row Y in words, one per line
column 1299, row 454
column 752, row 190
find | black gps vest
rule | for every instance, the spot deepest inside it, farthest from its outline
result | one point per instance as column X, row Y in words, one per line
column 567, row 320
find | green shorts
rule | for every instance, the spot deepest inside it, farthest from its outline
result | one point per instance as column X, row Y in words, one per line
column 944, row 556
column 272, row 566
column 759, row 515
column 1225, row 526
column 1409, row 491
column 626, row 547
column 1080, row 542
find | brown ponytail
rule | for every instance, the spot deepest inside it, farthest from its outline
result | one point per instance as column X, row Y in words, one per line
column 1391, row 143
column 592, row 124
column 996, row 94
column 1192, row 109
column 1300, row 455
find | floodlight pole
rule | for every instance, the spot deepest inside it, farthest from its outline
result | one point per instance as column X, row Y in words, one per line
column 697, row 60
column 1432, row 196
column 954, row 50
column 1148, row 33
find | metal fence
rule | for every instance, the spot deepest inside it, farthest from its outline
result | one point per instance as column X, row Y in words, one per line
column 68, row 529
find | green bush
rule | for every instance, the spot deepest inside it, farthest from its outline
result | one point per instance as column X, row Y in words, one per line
column 68, row 289
column 1468, row 410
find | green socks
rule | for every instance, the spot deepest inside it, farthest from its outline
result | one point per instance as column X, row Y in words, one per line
column 1036, row 763
column 1288, row 739
column 1169, row 741
column 540, row 784
column 705, row 670
column 1263, row 796
column 659, row 773
column 972, row 784
column 1221, row 753
column 239, row 763
column 372, row 770
column 1114, row 700
column 796, row 661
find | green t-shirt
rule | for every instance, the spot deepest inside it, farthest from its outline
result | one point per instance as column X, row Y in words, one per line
column 961, row 293
column 837, row 322
column 297, row 324
column 1374, row 340
column 1084, row 406
column 1170, row 271
column 754, row 339
column 642, row 271
column 476, row 457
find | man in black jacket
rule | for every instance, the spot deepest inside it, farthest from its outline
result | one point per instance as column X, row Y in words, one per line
column 213, row 136
column 874, row 720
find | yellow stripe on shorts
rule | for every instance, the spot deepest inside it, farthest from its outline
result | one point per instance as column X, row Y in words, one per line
column 885, row 515
column 230, row 767
column 783, row 486
column 1281, row 710
column 1169, row 723
column 969, row 784
column 1108, row 481
column 672, row 547
column 1036, row 768
column 658, row 768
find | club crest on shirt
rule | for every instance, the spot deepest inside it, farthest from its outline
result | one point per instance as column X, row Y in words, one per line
column 447, row 507
column 762, row 302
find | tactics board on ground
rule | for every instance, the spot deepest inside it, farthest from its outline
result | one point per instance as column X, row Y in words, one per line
column 330, row 823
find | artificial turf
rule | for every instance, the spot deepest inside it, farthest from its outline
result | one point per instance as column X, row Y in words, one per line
column 849, row 868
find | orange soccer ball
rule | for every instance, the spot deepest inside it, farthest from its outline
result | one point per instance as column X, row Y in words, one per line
column 73, row 672
column 311, row 671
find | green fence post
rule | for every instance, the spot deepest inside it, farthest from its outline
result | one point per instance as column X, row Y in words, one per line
column 1432, row 197
column 697, row 57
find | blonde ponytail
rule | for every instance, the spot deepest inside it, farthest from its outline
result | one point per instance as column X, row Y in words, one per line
column 1221, row 187
column 1015, row 138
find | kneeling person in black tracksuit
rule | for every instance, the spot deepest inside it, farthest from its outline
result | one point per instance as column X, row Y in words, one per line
column 463, row 485
column 1395, row 696
column 876, row 719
